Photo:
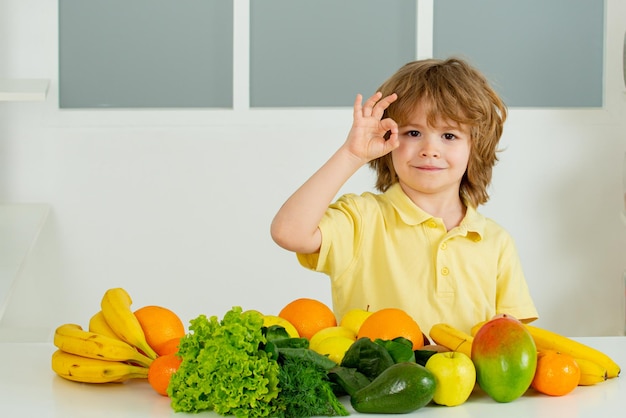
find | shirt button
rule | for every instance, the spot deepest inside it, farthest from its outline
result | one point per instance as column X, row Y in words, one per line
column 445, row 271
column 443, row 246
column 432, row 224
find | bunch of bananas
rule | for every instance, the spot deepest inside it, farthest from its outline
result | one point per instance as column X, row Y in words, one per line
column 114, row 349
column 595, row 366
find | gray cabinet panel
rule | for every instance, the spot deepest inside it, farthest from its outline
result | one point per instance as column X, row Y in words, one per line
column 537, row 53
column 324, row 52
column 145, row 53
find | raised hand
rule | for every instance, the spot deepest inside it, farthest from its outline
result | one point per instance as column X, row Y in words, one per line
column 295, row 226
column 367, row 137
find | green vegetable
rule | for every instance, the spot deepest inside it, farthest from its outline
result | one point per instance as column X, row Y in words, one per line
column 400, row 349
column 422, row 356
column 275, row 332
column 367, row 357
column 319, row 360
column 402, row 388
column 224, row 369
column 305, row 390
column 278, row 338
column 348, row 379
column 291, row 343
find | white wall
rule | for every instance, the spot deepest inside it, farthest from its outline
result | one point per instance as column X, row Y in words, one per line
column 175, row 206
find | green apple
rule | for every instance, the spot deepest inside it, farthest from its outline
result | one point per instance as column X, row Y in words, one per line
column 455, row 376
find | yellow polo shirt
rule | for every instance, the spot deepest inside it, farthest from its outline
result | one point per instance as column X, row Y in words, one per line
column 381, row 251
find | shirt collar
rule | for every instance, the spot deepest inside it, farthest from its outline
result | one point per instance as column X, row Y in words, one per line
column 472, row 225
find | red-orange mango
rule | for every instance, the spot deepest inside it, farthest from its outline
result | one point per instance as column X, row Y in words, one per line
column 505, row 357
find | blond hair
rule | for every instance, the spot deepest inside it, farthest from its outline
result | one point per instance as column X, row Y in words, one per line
column 451, row 90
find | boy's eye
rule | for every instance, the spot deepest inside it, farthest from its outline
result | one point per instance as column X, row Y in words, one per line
column 449, row 136
column 413, row 133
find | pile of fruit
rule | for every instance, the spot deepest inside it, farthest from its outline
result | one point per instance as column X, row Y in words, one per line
column 120, row 344
column 381, row 360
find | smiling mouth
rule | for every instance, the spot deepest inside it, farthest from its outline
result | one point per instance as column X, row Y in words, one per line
column 429, row 168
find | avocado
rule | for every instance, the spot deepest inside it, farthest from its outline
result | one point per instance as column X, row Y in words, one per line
column 401, row 388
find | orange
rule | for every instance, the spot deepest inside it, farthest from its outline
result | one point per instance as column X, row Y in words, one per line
column 168, row 347
column 161, row 371
column 159, row 324
column 308, row 316
column 557, row 373
column 390, row 323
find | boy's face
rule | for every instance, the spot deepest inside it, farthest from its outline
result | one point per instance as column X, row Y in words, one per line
column 431, row 160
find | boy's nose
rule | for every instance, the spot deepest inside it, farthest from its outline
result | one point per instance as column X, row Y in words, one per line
column 429, row 149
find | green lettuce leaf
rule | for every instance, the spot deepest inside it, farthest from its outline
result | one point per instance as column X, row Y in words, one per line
column 223, row 368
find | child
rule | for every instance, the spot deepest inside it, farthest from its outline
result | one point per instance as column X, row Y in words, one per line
column 430, row 133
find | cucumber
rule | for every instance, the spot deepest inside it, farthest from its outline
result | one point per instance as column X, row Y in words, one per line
column 401, row 388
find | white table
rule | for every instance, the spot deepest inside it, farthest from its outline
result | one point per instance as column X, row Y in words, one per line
column 29, row 388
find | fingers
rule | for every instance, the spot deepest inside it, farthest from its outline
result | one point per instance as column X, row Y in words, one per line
column 358, row 108
column 368, row 106
column 391, row 127
column 374, row 106
column 383, row 104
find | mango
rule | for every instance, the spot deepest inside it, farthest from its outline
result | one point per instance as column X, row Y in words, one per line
column 505, row 357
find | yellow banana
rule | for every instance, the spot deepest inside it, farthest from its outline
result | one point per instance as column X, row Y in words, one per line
column 590, row 372
column 548, row 340
column 452, row 338
column 89, row 370
column 115, row 307
column 476, row 327
column 72, row 339
column 99, row 325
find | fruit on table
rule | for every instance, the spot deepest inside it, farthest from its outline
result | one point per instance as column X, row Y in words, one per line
column 334, row 347
column 159, row 325
column 308, row 316
column 401, row 388
column 505, row 357
column 338, row 331
column 548, row 340
column 593, row 361
column 476, row 327
column 452, row 338
column 169, row 347
column 99, row 325
column 557, row 374
column 436, row 347
column 455, row 377
column 590, row 372
column 354, row 318
column 71, row 338
column 88, row 370
column 161, row 370
column 115, row 307
column 390, row 323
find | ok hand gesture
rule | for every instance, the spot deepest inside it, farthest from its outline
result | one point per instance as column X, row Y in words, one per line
column 366, row 139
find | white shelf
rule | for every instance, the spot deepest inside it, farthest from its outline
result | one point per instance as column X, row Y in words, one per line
column 23, row 90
